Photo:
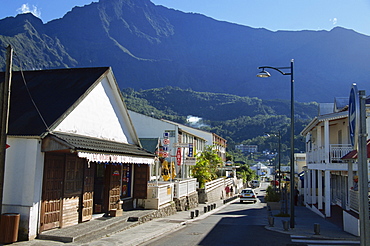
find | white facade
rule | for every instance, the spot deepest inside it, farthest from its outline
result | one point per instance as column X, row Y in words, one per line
column 100, row 114
column 328, row 180
column 23, row 181
column 149, row 127
column 211, row 139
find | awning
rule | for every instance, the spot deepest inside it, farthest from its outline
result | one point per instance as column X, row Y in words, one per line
column 97, row 150
column 104, row 158
column 354, row 155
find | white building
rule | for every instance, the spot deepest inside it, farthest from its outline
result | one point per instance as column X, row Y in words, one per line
column 328, row 179
column 73, row 153
column 151, row 128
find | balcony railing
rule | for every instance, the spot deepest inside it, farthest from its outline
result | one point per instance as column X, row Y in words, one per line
column 336, row 152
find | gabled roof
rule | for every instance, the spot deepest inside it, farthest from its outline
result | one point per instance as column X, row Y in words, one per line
column 53, row 91
column 150, row 144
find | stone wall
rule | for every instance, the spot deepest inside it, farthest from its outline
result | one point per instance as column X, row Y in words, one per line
column 187, row 202
column 164, row 211
column 211, row 196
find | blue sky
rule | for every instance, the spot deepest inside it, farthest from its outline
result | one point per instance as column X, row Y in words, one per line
column 270, row 14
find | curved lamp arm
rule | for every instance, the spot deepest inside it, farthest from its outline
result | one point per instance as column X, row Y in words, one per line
column 277, row 69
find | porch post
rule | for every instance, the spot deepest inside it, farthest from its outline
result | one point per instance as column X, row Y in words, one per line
column 326, row 141
column 309, row 187
column 350, row 183
column 319, row 188
column 319, row 154
column 314, row 197
column 305, row 190
column 327, row 194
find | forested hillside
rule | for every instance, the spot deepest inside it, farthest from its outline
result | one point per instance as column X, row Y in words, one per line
column 235, row 118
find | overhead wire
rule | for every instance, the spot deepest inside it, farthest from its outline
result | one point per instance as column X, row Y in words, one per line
column 29, row 93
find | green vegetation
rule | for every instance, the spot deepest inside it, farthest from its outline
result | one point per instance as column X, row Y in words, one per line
column 206, row 167
column 272, row 195
column 238, row 119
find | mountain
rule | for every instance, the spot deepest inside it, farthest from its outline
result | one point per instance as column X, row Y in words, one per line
column 151, row 46
column 238, row 119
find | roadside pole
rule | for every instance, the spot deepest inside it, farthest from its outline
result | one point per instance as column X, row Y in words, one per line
column 4, row 114
column 363, row 174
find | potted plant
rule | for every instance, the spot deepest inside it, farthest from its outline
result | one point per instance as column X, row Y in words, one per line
column 272, row 198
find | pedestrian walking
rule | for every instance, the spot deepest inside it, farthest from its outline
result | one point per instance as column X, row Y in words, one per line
column 227, row 190
column 231, row 191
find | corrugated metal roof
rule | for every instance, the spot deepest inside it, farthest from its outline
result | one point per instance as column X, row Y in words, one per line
column 53, row 91
column 89, row 144
column 354, row 154
column 150, row 144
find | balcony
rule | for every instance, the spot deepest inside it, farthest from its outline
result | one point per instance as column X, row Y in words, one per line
column 336, row 152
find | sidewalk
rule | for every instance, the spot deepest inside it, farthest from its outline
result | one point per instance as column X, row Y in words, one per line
column 305, row 221
column 117, row 231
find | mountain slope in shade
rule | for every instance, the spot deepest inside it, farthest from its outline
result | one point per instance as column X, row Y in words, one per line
column 151, row 46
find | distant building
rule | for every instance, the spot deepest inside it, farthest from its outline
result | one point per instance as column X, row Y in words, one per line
column 247, row 148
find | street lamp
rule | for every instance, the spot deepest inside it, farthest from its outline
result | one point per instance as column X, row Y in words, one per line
column 265, row 74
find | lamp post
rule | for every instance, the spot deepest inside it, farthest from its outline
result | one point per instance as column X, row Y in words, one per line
column 265, row 74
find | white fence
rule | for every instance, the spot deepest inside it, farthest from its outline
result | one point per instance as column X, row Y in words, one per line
column 160, row 193
column 214, row 184
column 184, row 187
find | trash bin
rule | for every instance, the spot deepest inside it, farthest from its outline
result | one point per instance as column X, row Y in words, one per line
column 9, row 225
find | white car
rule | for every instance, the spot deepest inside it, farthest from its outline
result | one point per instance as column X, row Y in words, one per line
column 248, row 195
column 255, row 183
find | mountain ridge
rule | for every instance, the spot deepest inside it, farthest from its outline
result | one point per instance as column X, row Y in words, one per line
column 150, row 46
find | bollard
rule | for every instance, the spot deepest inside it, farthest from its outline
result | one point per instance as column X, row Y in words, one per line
column 192, row 214
column 271, row 221
column 285, row 225
column 316, row 228
column 214, row 205
column 209, row 208
column 196, row 213
column 205, row 209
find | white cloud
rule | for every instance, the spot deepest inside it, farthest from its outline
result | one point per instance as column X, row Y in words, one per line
column 334, row 21
column 25, row 8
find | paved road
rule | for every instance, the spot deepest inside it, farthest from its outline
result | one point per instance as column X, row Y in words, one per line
column 236, row 224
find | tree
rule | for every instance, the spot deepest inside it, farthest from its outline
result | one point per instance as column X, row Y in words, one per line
column 206, row 166
column 245, row 173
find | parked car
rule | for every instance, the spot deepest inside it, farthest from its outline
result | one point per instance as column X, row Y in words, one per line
column 248, row 195
column 255, row 183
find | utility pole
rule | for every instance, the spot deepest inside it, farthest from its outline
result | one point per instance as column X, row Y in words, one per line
column 363, row 174
column 4, row 116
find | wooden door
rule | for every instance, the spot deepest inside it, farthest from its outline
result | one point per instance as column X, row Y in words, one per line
column 73, row 183
column 114, row 186
column 87, row 200
column 141, row 178
column 52, row 191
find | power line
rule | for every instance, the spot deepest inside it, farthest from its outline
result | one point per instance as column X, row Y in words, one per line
column 29, row 94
